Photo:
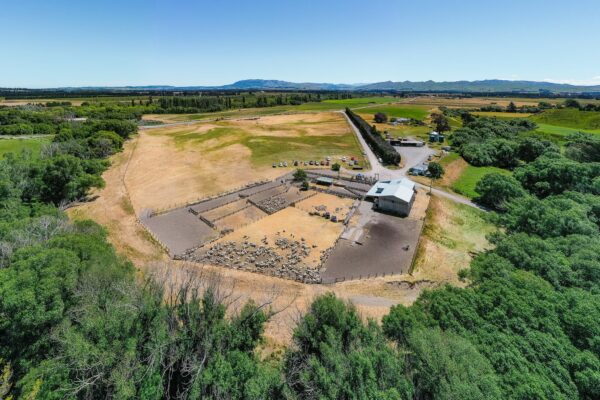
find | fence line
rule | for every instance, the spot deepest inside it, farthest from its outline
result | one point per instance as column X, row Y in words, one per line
column 200, row 200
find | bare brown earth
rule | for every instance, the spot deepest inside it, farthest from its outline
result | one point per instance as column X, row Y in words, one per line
column 112, row 208
column 294, row 224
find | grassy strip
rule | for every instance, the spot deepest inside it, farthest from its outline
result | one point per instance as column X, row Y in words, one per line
column 18, row 145
column 465, row 184
column 500, row 115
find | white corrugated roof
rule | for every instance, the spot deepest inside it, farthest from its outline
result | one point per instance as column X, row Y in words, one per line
column 402, row 189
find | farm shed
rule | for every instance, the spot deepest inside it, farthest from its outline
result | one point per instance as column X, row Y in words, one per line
column 407, row 142
column 436, row 137
column 395, row 196
column 419, row 170
column 322, row 180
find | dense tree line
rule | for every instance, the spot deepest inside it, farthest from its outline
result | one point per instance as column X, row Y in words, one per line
column 194, row 104
column 532, row 307
column 501, row 143
column 380, row 146
column 15, row 121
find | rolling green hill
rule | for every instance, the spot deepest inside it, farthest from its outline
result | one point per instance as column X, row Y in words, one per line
column 570, row 118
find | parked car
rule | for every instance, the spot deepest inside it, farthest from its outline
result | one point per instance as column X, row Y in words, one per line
column 311, row 162
column 274, row 165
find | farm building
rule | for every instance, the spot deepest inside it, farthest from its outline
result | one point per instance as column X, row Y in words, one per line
column 436, row 137
column 406, row 142
column 419, row 169
column 324, row 181
column 399, row 121
column 395, row 196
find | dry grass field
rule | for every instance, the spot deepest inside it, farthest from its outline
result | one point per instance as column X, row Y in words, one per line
column 179, row 164
column 452, row 233
column 474, row 102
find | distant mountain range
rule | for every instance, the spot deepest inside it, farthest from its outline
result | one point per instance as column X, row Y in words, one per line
column 490, row 85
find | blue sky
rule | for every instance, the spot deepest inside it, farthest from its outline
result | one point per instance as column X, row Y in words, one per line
column 75, row 43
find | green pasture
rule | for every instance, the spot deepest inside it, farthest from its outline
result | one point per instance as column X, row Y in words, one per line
column 570, row 118
column 465, row 184
column 16, row 146
column 501, row 115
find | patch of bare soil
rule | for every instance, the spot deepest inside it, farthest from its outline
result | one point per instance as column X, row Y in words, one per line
column 110, row 207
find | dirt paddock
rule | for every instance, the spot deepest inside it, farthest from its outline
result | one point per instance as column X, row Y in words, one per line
column 376, row 244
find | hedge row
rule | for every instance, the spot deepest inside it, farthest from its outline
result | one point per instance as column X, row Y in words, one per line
column 380, row 147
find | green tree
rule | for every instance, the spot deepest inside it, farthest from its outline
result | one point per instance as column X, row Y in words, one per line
column 300, row 175
column 497, row 190
column 552, row 174
column 440, row 122
column 531, row 148
column 572, row 103
column 335, row 356
column 446, row 366
column 435, row 171
column 64, row 178
column 380, row 118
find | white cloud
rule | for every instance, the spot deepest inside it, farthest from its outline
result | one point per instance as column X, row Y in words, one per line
column 585, row 82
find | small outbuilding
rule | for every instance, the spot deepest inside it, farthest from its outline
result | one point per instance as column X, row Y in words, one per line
column 420, row 170
column 395, row 196
column 322, row 180
column 436, row 137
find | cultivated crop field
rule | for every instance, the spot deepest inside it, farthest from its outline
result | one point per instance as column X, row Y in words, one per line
column 179, row 164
